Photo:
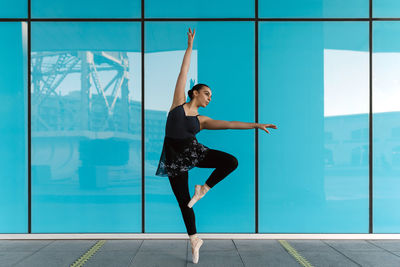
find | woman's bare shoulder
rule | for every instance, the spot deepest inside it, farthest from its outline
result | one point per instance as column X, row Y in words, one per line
column 203, row 119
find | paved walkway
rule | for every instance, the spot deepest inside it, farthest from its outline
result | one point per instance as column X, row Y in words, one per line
column 174, row 253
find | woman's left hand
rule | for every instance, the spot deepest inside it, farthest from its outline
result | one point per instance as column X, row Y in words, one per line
column 264, row 127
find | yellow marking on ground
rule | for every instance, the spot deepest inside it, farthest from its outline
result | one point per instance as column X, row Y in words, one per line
column 295, row 254
column 85, row 257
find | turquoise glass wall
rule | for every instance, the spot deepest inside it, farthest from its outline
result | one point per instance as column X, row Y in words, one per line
column 86, row 127
column 13, row 9
column 86, row 9
column 13, row 128
column 86, row 114
column 386, row 8
column 386, row 126
column 314, row 8
column 199, row 9
column 313, row 84
column 225, row 62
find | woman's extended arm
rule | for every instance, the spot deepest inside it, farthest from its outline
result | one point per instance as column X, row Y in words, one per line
column 211, row 124
column 179, row 94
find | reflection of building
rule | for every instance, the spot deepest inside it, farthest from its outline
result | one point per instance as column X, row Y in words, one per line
column 88, row 131
column 346, row 135
column 58, row 134
column 155, row 131
column 386, row 136
column 349, row 135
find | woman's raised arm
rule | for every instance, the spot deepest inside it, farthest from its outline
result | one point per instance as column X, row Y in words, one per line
column 179, row 94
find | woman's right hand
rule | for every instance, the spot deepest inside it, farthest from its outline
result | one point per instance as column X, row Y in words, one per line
column 191, row 37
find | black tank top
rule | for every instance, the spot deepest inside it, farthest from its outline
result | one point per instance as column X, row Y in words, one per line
column 181, row 150
column 180, row 126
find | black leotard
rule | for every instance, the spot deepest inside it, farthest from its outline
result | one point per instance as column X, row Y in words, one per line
column 180, row 126
column 181, row 151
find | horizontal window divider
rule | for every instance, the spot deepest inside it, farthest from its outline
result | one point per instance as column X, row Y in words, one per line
column 314, row 19
column 193, row 19
column 86, row 19
column 388, row 19
column 12, row 19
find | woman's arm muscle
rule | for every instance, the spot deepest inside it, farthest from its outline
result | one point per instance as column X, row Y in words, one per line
column 208, row 123
column 179, row 94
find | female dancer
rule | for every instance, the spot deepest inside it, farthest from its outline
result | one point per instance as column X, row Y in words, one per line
column 181, row 151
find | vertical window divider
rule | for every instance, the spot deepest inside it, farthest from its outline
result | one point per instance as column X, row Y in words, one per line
column 370, row 124
column 143, row 120
column 29, row 119
column 256, row 115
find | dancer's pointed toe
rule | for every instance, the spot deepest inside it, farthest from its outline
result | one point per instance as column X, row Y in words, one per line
column 195, row 251
column 197, row 195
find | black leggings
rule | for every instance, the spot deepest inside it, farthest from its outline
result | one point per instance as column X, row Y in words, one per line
column 223, row 163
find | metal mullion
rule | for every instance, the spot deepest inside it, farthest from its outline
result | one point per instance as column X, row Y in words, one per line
column 143, row 119
column 86, row 19
column 313, row 19
column 370, row 230
column 256, row 116
column 29, row 120
column 13, row 19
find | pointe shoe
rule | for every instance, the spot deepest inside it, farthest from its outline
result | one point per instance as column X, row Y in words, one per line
column 195, row 250
column 197, row 196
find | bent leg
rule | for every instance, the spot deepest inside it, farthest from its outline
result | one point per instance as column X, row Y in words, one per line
column 224, row 163
column 179, row 185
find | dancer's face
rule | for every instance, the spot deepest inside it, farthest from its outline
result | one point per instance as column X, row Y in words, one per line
column 204, row 96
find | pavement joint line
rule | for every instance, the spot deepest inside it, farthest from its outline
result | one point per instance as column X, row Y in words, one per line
column 88, row 254
column 133, row 258
column 341, row 253
column 391, row 252
column 24, row 258
column 233, row 241
column 300, row 259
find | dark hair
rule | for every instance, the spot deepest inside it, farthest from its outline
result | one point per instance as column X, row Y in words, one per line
column 197, row 87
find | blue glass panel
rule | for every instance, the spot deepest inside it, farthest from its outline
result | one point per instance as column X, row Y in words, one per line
column 86, row 127
column 13, row 9
column 313, row 169
column 313, row 8
column 13, row 128
column 86, row 9
column 225, row 62
column 386, row 8
column 199, row 9
column 386, row 126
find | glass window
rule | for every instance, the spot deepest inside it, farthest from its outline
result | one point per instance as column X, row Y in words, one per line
column 313, row 8
column 86, row 127
column 313, row 169
column 386, row 8
column 199, row 9
column 386, row 126
column 13, row 9
column 86, row 9
column 225, row 62
column 13, row 128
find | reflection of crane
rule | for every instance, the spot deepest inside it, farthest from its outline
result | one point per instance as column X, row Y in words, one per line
column 85, row 131
column 97, row 111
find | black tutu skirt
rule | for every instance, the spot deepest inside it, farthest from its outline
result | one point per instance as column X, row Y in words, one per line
column 180, row 155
